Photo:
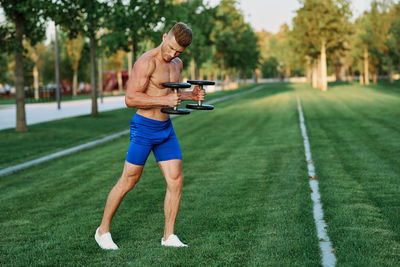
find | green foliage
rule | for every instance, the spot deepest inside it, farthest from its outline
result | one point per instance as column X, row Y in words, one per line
column 4, row 74
column 29, row 13
column 235, row 41
column 378, row 30
column 129, row 22
column 320, row 20
column 199, row 17
column 393, row 40
column 269, row 68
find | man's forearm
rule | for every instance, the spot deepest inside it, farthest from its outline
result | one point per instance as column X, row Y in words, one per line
column 142, row 100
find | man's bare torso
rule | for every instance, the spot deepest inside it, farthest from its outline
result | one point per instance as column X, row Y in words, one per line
column 163, row 72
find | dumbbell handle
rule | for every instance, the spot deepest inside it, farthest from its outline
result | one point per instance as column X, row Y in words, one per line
column 176, row 92
column 199, row 102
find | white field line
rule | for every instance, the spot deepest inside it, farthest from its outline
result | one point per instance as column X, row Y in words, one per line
column 91, row 144
column 328, row 257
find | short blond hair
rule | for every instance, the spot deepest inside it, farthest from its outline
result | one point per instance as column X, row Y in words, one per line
column 182, row 33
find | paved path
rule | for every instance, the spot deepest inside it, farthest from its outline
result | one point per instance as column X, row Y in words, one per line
column 36, row 113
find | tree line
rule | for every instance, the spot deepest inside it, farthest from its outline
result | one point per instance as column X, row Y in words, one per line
column 97, row 35
column 94, row 30
column 324, row 39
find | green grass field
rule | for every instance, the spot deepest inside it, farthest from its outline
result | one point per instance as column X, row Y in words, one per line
column 246, row 199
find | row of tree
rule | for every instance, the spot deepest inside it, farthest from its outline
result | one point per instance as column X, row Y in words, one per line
column 223, row 40
column 324, row 37
column 113, row 33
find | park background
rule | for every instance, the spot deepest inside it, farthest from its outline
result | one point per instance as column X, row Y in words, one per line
column 246, row 199
column 324, row 43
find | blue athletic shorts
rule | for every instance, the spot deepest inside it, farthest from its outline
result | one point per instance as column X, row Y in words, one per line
column 147, row 135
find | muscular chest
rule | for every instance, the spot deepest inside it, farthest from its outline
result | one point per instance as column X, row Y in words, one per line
column 168, row 72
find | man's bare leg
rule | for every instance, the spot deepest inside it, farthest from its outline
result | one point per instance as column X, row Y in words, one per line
column 172, row 171
column 130, row 176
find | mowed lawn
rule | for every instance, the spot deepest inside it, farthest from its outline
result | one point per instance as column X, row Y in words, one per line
column 246, row 199
column 355, row 141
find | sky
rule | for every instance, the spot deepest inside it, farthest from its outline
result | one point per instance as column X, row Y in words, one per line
column 271, row 14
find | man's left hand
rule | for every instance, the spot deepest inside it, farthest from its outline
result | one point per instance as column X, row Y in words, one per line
column 198, row 94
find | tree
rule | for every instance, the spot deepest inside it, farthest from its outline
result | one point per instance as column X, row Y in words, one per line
column 85, row 17
column 199, row 17
column 36, row 54
column 321, row 26
column 24, row 18
column 393, row 40
column 116, row 62
column 248, row 56
column 128, row 22
column 74, row 50
column 230, row 34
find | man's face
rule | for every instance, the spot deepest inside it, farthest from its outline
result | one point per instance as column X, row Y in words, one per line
column 170, row 49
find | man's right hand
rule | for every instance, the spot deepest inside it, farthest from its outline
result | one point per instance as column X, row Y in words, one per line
column 173, row 100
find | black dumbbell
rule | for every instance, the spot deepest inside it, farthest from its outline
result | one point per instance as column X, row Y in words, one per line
column 176, row 110
column 199, row 105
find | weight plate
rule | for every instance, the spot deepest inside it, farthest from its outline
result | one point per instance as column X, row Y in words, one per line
column 198, row 82
column 177, row 85
column 202, row 107
column 179, row 111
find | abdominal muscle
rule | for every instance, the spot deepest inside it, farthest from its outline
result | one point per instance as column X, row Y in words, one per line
column 154, row 113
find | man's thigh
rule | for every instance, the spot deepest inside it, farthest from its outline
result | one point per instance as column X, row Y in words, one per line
column 171, row 169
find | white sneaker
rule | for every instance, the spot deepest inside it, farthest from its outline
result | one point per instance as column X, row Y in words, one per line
column 105, row 241
column 172, row 241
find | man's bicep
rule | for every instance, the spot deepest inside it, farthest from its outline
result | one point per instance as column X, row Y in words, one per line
column 140, row 76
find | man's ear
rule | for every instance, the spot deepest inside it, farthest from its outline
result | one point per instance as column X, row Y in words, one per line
column 164, row 37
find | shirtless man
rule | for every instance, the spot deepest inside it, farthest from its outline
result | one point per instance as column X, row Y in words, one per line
column 152, row 130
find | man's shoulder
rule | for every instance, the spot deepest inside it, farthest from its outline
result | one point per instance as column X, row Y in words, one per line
column 178, row 61
column 146, row 61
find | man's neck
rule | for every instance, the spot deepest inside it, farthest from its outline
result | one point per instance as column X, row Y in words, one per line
column 159, row 54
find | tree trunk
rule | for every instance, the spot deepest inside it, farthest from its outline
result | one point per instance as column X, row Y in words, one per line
column 244, row 76
column 57, row 67
column 130, row 65
column 352, row 75
column 361, row 78
column 309, row 69
column 19, row 77
column 390, row 74
column 192, row 69
column 227, row 82
column 258, row 75
column 374, row 76
column 75, row 83
column 134, row 45
column 287, row 69
column 119, row 80
column 222, row 74
column 324, row 80
column 201, row 75
column 366, row 63
column 100, row 82
column 214, row 76
column 93, row 75
column 319, row 73
column 36, row 81
column 315, row 74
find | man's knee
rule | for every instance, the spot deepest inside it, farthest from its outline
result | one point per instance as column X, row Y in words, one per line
column 128, row 181
column 175, row 181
